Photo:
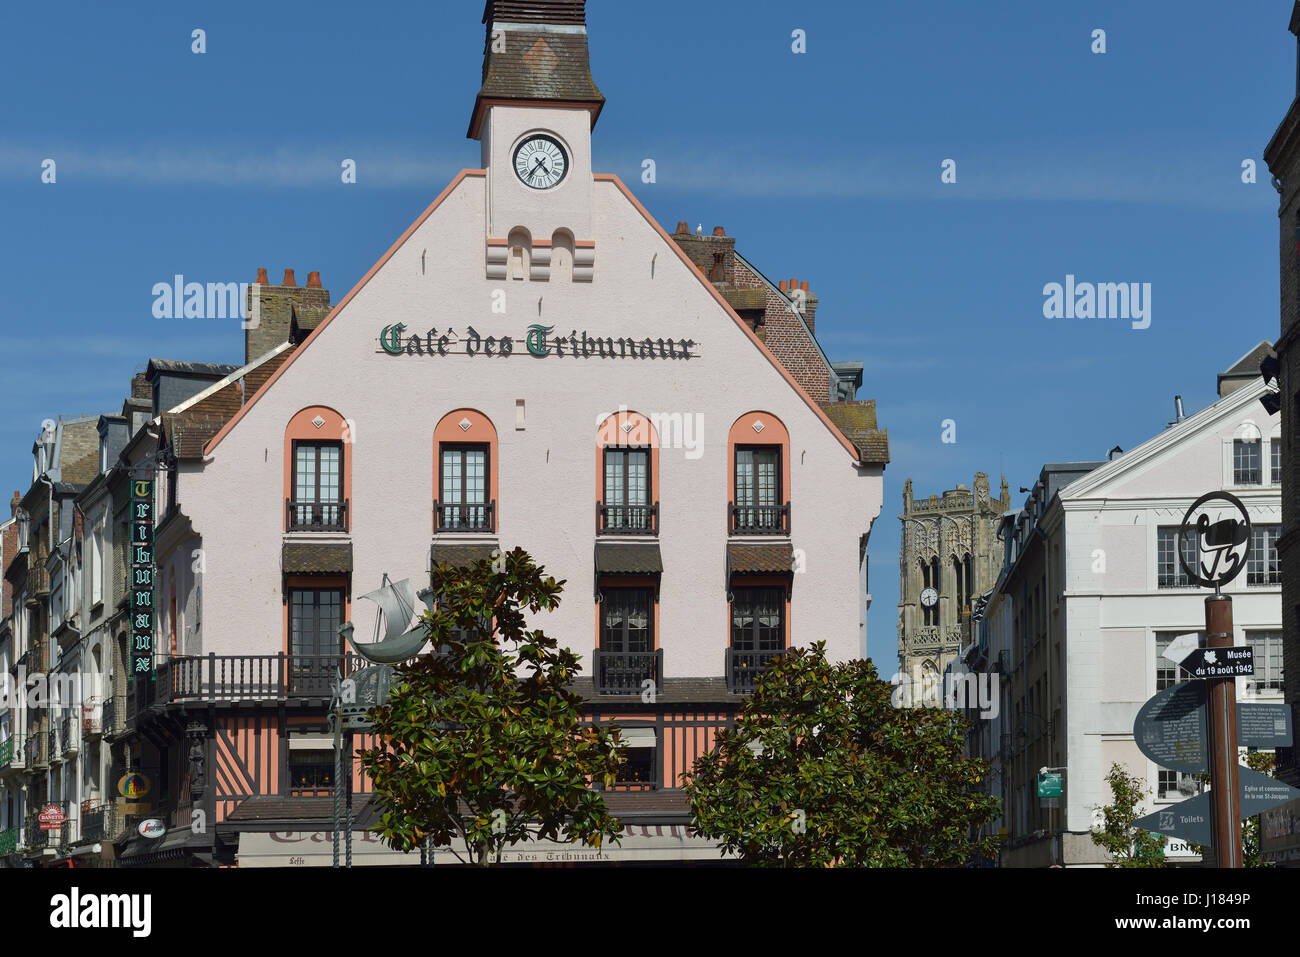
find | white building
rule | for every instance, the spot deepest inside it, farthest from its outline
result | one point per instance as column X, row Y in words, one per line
column 1098, row 592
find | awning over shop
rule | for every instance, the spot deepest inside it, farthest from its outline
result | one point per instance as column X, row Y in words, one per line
column 316, row 558
column 666, row 843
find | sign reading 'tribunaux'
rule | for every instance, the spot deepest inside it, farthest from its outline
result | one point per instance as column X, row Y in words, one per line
column 538, row 341
column 142, row 575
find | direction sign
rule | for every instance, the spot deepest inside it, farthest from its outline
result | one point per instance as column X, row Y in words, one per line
column 1232, row 662
column 1181, row 647
column 1190, row 819
column 1170, row 728
column 1049, row 785
column 1266, row 726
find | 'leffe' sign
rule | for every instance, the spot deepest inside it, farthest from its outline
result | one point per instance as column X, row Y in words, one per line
column 539, row 341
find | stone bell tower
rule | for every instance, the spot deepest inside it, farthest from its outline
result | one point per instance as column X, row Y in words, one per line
column 949, row 555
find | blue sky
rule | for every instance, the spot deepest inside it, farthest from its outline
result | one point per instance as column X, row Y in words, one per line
column 1123, row 166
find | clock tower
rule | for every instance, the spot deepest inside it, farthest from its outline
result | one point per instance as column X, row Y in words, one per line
column 949, row 556
column 534, row 115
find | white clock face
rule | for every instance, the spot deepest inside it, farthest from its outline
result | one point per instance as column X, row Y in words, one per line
column 540, row 162
column 929, row 597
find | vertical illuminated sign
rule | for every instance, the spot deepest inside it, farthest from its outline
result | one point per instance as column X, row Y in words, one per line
column 142, row 578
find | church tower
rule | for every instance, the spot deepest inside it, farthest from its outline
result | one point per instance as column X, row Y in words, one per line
column 534, row 115
column 949, row 555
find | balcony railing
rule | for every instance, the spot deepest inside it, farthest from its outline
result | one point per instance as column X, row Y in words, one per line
column 744, row 667
column 92, row 719
column 215, row 677
column 317, row 516
column 465, row 517
column 68, row 726
column 35, row 837
column 758, row 519
column 625, row 672
column 97, row 823
column 38, row 582
column 37, row 751
column 110, row 716
column 627, row 519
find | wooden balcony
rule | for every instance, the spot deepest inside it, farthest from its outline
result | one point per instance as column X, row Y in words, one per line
column 625, row 672
column 627, row 519
column 744, row 667
column 758, row 519
column 215, row 677
column 463, row 517
column 316, row 516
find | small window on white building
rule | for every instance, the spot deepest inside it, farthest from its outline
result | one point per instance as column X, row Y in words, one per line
column 1267, row 646
column 1262, row 567
column 1247, row 462
column 95, row 565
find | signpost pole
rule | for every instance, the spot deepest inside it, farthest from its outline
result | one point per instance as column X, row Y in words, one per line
column 1225, row 797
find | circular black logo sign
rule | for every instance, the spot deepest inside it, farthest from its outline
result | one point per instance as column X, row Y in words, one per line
column 1222, row 544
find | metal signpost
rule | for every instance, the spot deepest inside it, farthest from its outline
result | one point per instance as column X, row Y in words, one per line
column 1222, row 545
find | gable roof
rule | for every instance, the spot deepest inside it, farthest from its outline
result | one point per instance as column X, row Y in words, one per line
column 1224, row 408
column 839, row 436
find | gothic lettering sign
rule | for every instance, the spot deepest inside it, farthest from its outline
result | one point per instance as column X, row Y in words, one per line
column 539, row 341
column 142, row 578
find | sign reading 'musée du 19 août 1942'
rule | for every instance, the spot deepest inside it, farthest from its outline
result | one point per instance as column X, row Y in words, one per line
column 538, row 341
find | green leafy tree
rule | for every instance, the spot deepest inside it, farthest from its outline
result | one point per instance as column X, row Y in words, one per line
column 482, row 745
column 821, row 769
column 1263, row 762
column 1128, row 846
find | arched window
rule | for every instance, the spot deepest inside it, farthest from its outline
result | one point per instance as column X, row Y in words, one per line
column 521, row 254
column 970, row 582
column 759, row 463
column 627, row 479
column 465, row 470
column 562, row 249
column 317, row 471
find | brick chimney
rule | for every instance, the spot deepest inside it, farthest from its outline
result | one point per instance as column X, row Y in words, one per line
column 140, row 387
column 804, row 301
column 715, row 255
column 283, row 313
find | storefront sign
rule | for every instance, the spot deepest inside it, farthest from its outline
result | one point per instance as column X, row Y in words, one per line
column 152, row 828
column 133, row 785
column 539, row 341
column 51, row 818
column 142, row 578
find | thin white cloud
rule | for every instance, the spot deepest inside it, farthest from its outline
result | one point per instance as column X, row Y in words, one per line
column 1132, row 172
column 309, row 167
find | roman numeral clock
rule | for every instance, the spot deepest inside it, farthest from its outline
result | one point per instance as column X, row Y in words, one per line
column 540, row 162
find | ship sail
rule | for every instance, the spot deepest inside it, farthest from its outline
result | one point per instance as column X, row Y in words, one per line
column 396, row 601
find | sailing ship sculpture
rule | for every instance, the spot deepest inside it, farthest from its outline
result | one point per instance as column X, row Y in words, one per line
column 399, row 641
